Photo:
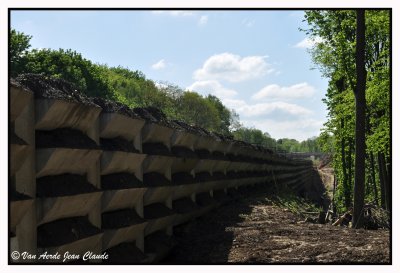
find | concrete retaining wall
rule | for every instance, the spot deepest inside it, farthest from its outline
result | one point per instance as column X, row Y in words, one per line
column 156, row 206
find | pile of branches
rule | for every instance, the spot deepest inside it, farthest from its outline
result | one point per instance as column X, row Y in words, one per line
column 374, row 218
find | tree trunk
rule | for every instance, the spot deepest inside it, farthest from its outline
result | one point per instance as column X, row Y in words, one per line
column 344, row 169
column 359, row 178
column 347, row 190
column 372, row 165
column 389, row 186
column 382, row 181
column 333, row 196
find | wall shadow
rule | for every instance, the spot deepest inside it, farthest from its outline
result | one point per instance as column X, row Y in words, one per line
column 209, row 239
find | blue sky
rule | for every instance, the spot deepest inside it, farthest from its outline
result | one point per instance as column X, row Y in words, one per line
column 256, row 62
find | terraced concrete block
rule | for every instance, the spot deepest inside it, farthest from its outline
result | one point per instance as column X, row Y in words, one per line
column 114, row 125
column 124, row 198
column 132, row 233
column 159, row 164
column 186, row 217
column 14, row 245
column 206, row 186
column 182, row 191
column 154, row 133
column 207, row 209
column 18, row 155
column 19, row 99
column 117, row 161
column 52, row 114
column 18, row 209
column 53, row 161
column 26, row 232
column 205, row 165
column 221, row 166
column 182, row 138
column 205, row 143
column 183, row 164
column 222, row 146
column 250, row 181
column 158, row 195
column 220, row 185
column 240, row 166
column 162, row 223
column 50, row 209
column 235, row 149
column 231, row 183
column 79, row 247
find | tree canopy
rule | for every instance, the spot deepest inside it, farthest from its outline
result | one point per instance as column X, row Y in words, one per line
column 335, row 57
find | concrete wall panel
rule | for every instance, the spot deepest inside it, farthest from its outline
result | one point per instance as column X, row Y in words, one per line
column 154, row 133
column 114, row 237
column 18, row 209
column 19, row 99
column 162, row 223
column 158, row 164
column 117, row 161
column 158, row 195
column 79, row 247
column 54, row 208
column 183, row 164
column 53, row 161
column 124, row 198
column 52, row 114
column 116, row 125
column 182, row 138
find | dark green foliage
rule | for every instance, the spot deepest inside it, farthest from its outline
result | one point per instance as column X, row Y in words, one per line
column 19, row 45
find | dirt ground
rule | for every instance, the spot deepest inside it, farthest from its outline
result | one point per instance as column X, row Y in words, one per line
column 253, row 230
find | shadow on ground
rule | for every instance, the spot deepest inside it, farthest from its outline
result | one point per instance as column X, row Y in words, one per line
column 210, row 238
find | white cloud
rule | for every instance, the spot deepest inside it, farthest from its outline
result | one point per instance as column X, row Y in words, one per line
column 297, row 129
column 248, row 23
column 279, row 119
column 203, row 20
column 174, row 12
column 276, row 109
column 274, row 91
column 212, row 87
column 159, row 65
column 233, row 68
column 309, row 42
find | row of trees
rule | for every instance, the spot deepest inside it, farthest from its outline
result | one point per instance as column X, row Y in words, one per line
column 256, row 136
column 335, row 56
column 135, row 90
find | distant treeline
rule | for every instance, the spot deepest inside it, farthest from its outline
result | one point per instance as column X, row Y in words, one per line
column 135, row 90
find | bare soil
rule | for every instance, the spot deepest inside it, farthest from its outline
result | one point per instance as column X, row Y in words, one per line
column 252, row 230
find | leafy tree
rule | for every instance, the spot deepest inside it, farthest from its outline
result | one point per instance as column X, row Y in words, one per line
column 198, row 111
column 335, row 56
column 224, row 114
column 19, row 46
